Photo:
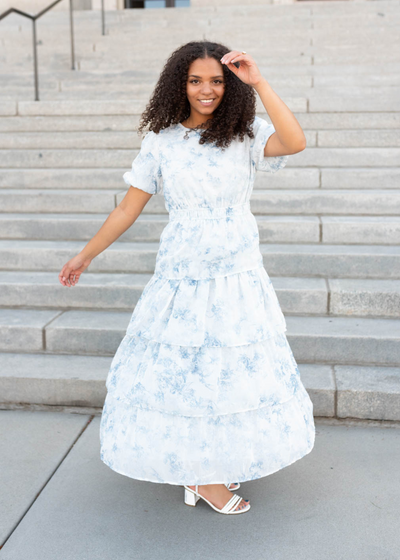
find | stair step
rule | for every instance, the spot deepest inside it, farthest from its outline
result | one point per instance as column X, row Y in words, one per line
column 364, row 297
column 127, row 139
column 94, row 291
column 324, row 339
column 322, row 201
column 323, row 122
column 22, row 330
column 287, row 178
column 334, row 261
column 299, row 102
column 131, row 107
column 360, row 76
column 344, row 340
column 293, row 260
column 263, row 201
column 311, row 157
column 360, row 229
column 380, row 298
column 97, row 178
column 73, row 380
column 59, row 200
column 148, row 227
column 358, row 138
column 122, row 291
column 120, row 81
column 52, row 379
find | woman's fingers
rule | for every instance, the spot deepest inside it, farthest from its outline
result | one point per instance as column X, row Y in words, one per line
column 75, row 275
column 64, row 276
column 238, row 56
column 68, row 276
column 233, row 56
column 72, row 270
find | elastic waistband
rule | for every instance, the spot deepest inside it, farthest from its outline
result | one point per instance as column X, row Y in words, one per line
column 210, row 213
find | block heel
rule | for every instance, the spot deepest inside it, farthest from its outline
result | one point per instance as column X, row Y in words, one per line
column 191, row 498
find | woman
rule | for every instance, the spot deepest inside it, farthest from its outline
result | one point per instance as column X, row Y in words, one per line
column 204, row 388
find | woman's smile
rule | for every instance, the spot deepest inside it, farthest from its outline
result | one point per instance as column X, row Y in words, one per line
column 206, row 101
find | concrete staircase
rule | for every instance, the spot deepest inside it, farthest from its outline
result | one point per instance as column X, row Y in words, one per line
column 329, row 222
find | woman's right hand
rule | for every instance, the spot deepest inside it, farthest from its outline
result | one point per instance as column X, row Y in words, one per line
column 71, row 271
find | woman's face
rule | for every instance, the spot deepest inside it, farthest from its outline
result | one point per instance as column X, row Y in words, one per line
column 205, row 81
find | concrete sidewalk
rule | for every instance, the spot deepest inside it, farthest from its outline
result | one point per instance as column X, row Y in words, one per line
column 59, row 501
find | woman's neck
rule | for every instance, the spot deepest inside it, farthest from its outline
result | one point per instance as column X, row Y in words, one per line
column 199, row 123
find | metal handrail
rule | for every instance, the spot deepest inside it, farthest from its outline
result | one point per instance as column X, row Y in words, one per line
column 37, row 16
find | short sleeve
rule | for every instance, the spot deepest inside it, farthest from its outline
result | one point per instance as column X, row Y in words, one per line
column 145, row 173
column 262, row 131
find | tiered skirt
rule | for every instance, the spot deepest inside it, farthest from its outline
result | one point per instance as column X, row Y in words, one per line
column 204, row 388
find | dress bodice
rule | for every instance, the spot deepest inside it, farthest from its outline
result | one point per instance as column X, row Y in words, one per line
column 211, row 230
column 192, row 175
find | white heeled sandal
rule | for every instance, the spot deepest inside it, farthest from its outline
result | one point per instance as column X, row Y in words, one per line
column 193, row 496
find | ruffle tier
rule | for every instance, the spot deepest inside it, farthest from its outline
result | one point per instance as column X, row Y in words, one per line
column 206, row 381
column 167, row 448
column 232, row 310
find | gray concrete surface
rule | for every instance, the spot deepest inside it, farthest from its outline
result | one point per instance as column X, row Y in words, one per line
column 341, row 501
column 32, row 445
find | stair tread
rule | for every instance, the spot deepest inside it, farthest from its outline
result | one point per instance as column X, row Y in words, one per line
column 268, row 248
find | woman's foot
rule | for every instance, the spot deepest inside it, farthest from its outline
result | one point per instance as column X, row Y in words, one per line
column 218, row 495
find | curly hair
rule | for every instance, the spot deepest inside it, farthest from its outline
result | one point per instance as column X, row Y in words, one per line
column 169, row 103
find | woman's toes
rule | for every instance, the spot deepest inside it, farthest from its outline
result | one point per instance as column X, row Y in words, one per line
column 241, row 505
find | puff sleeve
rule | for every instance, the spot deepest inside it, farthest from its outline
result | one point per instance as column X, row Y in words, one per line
column 262, row 131
column 145, row 173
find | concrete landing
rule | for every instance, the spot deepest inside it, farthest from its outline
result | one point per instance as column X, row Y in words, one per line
column 341, row 501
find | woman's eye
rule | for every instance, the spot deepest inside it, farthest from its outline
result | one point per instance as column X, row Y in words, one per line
column 217, row 81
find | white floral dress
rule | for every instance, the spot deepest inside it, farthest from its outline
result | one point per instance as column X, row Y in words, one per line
column 204, row 388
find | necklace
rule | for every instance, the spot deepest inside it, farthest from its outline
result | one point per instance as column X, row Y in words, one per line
column 189, row 130
column 196, row 129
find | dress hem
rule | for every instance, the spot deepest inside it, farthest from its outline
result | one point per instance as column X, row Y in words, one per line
column 237, row 479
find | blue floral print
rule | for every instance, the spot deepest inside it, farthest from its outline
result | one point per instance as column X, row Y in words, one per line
column 204, row 387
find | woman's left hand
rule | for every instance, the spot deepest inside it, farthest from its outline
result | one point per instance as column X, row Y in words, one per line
column 248, row 70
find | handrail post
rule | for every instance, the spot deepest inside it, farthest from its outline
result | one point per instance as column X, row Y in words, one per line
column 71, row 23
column 35, row 62
column 37, row 16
